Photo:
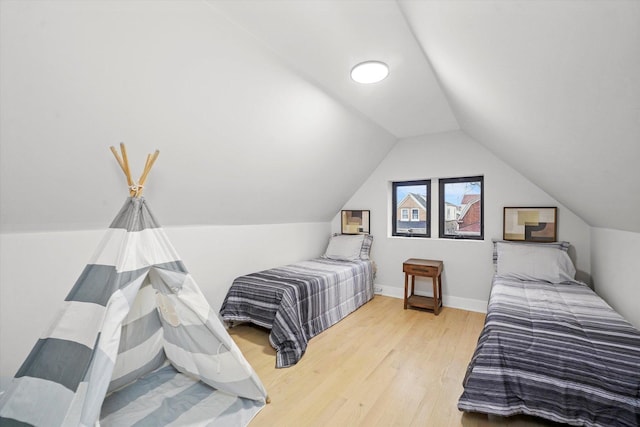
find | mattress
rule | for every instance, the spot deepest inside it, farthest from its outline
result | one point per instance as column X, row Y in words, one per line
column 555, row 351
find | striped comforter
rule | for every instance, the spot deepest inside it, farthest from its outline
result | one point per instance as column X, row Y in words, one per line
column 299, row 301
column 556, row 351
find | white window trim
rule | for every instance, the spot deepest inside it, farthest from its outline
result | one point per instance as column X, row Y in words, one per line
column 417, row 216
column 404, row 214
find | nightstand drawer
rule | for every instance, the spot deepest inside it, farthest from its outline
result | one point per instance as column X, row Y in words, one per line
column 420, row 270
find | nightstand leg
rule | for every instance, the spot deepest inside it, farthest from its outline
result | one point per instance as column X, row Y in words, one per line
column 436, row 304
column 440, row 289
column 406, row 284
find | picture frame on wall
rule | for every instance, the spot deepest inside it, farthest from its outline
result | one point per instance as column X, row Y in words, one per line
column 355, row 221
column 530, row 224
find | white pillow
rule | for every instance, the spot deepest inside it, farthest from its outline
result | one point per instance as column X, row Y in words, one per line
column 534, row 262
column 345, row 247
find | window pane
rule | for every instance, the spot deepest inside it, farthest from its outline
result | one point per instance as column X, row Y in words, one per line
column 461, row 208
column 411, row 204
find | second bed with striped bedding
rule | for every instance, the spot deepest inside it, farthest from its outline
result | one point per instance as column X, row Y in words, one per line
column 557, row 351
column 298, row 301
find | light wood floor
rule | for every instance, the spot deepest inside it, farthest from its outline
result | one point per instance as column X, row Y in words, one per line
column 380, row 366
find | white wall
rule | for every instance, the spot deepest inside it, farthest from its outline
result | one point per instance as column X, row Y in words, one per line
column 39, row 269
column 238, row 130
column 468, row 266
column 614, row 267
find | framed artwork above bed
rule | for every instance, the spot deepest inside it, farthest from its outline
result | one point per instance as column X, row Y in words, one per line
column 530, row 224
column 355, row 222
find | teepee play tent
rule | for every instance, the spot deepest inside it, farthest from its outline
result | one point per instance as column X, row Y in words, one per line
column 136, row 342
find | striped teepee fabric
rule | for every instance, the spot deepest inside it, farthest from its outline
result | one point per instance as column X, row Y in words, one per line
column 133, row 309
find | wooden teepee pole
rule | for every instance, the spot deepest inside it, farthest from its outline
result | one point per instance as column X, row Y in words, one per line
column 135, row 190
column 118, row 158
column 127, row 171
column 151, row 159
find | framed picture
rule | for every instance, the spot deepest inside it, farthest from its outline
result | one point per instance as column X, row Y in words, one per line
column 530, row 224
column 355, row 222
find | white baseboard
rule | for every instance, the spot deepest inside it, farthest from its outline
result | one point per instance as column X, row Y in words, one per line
column 447, row 300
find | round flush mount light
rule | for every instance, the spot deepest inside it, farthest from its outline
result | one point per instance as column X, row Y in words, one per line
column 369, row 72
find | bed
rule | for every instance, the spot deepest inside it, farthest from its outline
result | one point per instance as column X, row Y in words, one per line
column 298, row 301
column 551, row 347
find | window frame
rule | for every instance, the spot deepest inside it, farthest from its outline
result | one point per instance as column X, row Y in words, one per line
column 394, row 208
column 442, row 182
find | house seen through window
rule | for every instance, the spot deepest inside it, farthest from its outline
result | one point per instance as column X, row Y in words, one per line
column 461, row 208
column 411, row 208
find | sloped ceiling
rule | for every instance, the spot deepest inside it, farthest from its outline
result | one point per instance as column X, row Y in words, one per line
column 243, row 138
column 257, row 121
column 551, row 87
column 323, row 40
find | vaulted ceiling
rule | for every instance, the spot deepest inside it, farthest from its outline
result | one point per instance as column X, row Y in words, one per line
column 252, row 108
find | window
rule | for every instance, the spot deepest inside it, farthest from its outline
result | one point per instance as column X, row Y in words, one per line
column 411, row 204
column 462, row 208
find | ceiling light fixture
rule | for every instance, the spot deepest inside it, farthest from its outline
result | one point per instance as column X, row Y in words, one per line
column 369, row 72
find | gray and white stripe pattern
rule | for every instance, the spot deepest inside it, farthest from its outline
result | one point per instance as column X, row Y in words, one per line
column 133, row 307
column 155, row 398
column 299, row 301
column 556, row 351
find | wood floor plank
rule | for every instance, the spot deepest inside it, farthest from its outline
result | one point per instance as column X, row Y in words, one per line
column 380, row 366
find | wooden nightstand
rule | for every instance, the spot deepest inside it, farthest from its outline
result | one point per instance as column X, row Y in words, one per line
column 425, row 268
